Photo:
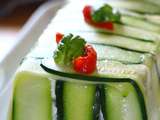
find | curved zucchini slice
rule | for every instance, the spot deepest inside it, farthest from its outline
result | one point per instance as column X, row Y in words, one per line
column 32, row 97
column 76, row 101
column 100, row 79
column 140, row 6
column 139, row 23
column 105, row 52
column 119, row 102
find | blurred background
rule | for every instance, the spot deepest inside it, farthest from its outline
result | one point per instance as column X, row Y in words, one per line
column 13, row 15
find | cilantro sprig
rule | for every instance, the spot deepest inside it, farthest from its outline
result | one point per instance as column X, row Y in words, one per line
column 68, row 49
column 106, row 13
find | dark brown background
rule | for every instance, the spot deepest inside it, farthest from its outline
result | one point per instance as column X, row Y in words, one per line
column 11, row 24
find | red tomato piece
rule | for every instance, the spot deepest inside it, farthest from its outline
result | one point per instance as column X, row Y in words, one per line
column 104, row 25
column 87, row 14
column 59, row 37
column 86, row 64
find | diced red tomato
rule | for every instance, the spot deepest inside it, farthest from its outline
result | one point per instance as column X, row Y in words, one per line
column 87, row 10
column 86, row 64
column 59, row 37
column 104, row 25
column 87, row 14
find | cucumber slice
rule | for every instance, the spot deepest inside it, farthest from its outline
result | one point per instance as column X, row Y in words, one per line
column 153, row 18
column 135, row 33
column 32, row 97
column 149, row 18
column 139, row 23
column 75, row 101
column 139, row 6
column 119, row 99
column 154, row 1
column 117, row 54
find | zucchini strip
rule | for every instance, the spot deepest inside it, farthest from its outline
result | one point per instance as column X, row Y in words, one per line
column 119, row 99
column 139, row 6
column 76, row 101
column 32, row 97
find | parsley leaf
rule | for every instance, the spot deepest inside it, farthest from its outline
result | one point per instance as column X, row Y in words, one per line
column 106, row 13
column 68, row 49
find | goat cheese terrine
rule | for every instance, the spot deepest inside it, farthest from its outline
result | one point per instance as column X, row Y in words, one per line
column 102, row 65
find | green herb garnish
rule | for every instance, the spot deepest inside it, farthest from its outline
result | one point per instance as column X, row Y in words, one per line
column 106, row 13
column 69, row 48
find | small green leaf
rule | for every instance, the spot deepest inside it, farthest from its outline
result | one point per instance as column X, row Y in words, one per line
column 68, row 49
column 106, row 13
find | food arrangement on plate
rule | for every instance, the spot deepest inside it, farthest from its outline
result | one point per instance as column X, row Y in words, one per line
column 95, row 61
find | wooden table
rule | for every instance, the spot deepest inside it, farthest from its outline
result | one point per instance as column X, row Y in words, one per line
column 11, row 25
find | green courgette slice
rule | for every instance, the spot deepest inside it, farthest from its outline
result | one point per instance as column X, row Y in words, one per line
column 76, row 101
column 139, row 6
column 119, row 102
column 32, row 97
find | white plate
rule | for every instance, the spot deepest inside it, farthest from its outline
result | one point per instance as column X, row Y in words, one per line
column 29, row 35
